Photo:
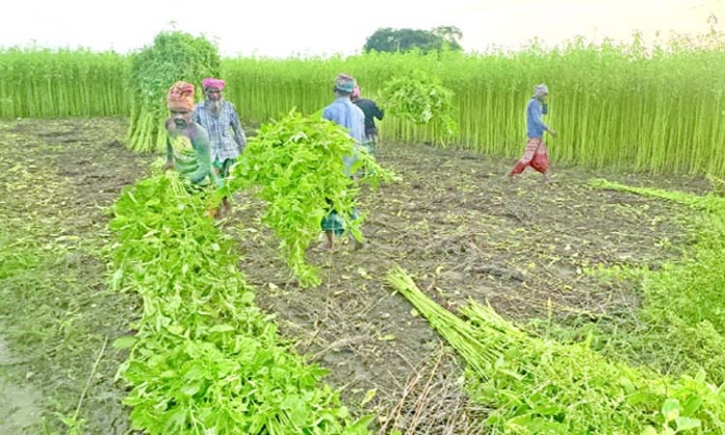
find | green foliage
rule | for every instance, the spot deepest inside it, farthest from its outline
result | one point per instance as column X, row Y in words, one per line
column 421, row 99
column 400, row 40
column 682, row 312
column 296, row 165
column 204, row 358
column 173, row 56
column 538, row 386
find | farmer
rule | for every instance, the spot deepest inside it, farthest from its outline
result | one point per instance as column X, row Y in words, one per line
column 371, row 111
column 343, row 112
column 535, row 154
column 220, row 119
column 187, row 143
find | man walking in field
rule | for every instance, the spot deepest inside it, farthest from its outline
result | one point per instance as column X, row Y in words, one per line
column 220, row 119
column 343, row 112
column 187, row 143
column 535, row 154
column 371, row 111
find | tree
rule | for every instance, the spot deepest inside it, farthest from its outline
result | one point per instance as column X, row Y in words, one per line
column 452, row 35
column 390, row 40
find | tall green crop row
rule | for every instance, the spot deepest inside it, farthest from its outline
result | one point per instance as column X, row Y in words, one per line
column 614, row 106
column 205, row 359
column 47, row 83
column 619, row 106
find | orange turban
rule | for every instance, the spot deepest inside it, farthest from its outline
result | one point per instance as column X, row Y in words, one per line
column 181, row 96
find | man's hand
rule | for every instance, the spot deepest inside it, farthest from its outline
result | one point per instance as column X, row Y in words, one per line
column 552, row 133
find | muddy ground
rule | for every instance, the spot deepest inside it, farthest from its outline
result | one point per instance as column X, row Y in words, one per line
column 59, row 318
column 453, row 222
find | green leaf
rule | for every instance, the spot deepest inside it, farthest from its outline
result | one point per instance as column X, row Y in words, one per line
column 295, row 408
column 222, row 328
column 369, row 395
column 196, row 372
column 649, row 430
column 247, row 298
column 168, row 374
column 125, row 342
column 671, row 409
column 361, row 425
column 191, row 389
column 117, row 278
column 176, row 329
column 686, row 423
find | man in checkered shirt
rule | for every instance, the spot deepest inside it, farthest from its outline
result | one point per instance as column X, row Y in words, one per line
column 220, row 119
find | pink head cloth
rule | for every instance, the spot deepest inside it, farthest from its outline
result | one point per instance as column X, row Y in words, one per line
column 211, row 82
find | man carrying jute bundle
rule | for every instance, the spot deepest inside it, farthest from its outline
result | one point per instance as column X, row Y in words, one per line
column 187, row 143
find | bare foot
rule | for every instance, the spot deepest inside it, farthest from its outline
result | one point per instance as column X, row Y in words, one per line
column 226, row 207
column 325, row 247
column 356, row 245
column 219, row 213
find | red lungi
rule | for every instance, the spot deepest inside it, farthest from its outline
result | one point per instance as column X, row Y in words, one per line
column 535, row 156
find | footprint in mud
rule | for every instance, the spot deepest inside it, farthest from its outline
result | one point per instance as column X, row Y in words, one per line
column 19, row 410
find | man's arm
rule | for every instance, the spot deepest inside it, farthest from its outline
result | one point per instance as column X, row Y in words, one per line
column 379, row 113
column 543, row 111
column 327, row 114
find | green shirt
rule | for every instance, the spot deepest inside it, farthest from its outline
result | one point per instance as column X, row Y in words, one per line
column 189, row 150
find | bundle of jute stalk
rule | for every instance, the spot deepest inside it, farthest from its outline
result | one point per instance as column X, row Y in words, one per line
column 537, row 386
column 204, row 358
column 173, row 56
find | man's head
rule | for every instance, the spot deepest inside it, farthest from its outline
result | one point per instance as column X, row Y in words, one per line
column 541, row 92
column 180, row 101
column 344, row 85
column 213, row 91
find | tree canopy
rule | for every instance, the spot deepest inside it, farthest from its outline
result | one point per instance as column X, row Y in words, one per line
column 387, row 39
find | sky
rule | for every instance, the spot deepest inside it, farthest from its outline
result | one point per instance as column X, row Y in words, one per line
column 280, row 28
